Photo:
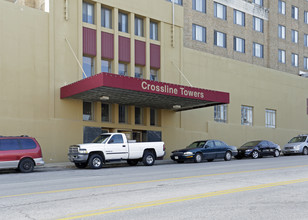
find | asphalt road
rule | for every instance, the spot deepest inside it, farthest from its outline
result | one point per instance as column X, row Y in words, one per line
column 266, row 188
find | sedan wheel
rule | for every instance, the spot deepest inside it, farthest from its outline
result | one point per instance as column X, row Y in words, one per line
column 305, row 151
column 228, row 156
column 255, row 154
column 198, row 158
column 276, row 153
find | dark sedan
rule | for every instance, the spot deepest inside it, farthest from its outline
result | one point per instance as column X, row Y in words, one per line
column 204, row 150
column 256, row 149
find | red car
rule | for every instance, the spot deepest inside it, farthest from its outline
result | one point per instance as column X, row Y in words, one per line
column 20, row 152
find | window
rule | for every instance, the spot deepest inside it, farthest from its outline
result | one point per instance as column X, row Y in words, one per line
column 138, row 26
column 178, row 2
column 306, row 17
column 294, row 13
column 220, row 39
column 88, row 66
column 281, row 31
column 294, row 34
column 106, row 66
column 282, row 56
column 138, row 115
column 258, row 2
column 246, row 112
column 153, row 30
column 220, row 11
column 123, row 114
column 88, row 111
column 199, row 5
column 281, row 7
column 294, row 60
column 154, row 74
column 27, row 144
column 239, row 44
column 258, row 24
column 199, row 33
column 106, row 18
column 116, row 139
column 139, row 72
column 306, row 63
column 258, row 50
column 220, row 113
column 270, row 118
column 153, row 117
column 9, row 144
column 306, row 40
column 106, row 112
column 88, row 13
column 123, row 22
column 239, row 17
column 123, row 69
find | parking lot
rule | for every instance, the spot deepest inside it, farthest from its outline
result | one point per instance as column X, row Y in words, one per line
column 265, row 188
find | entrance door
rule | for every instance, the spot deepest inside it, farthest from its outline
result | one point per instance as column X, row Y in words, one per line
column 116, row 149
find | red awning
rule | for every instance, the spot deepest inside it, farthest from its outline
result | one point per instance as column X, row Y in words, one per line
column 114, row 88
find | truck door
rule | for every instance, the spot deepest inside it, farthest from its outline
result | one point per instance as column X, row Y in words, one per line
column 116, row 148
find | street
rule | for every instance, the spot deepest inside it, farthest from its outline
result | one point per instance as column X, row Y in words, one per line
column 265, row 188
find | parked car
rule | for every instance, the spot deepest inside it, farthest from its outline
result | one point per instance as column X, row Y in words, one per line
column 256, row 149
column 297, row 145
column 22, row 152
column 204, row 150
column 109, row 147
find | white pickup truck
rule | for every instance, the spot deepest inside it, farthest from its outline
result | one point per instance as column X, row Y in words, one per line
column 115, row 146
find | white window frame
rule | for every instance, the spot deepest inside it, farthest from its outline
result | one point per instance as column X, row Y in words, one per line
column 281, row 56
column 258, row 50
column 106, row 17
column 238, row 17
column 220, row 39
column 123, row 71
column 153, row 30
column 139, row 71
column 88, row 61
column 220, row 11
column 294, row 58
column 199, row 33
column 270, row 118
column 220, row 113
column 139, row 29
column 108, row 62
column 306, row 40
column 281, row 31
column 294, row 12
column 306, row 17
column 199, row 5
column 258, row 2
column 88, row 12
column 281, row 7
column 294, row 36
column 258, row 24
column 306, row 63
column 123, row 22
column 246, row 115
column 239, row 44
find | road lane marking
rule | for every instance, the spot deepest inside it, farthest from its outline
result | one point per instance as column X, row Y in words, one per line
column 147, row 181
column 180, row 199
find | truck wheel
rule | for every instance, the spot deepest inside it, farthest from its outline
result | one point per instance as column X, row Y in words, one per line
column 26, row 165
column 95, row 161
column 81, row 165
column 148, row 158
column 132, row 162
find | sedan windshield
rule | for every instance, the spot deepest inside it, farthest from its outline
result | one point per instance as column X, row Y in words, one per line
column 251, row 144
column 298, row 139
column 196, row 144
column 101, row 138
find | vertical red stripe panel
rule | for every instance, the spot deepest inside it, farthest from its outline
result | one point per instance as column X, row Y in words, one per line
column 124, row 49
column 107, row 46
column 139, row 52
column 155, row 56
column 89, row 41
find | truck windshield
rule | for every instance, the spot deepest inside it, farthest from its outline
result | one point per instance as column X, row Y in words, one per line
column 101, row 138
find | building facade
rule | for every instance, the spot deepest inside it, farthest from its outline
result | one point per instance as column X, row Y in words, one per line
column 154, row 70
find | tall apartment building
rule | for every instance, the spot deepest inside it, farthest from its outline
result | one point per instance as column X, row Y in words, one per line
column 154, row 70
column 269, row 33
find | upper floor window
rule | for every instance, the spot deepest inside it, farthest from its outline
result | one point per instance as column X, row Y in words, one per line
column 270, row 118
column 258, row 24
column 306, row 40
column 106, row 66
column 220, row 39
column 88, row 65
column 282, row 56
column 220, row 113
column 306, row 17
column 123, row 69
column 199, row 5
column 199, row 33
column 294, row 34
column 294, row 13
column 239, row 44
column 153, row 30
column 246, row 113
column 281, row 7
column 138, row 26
column 281, row 31
column 106, row 18
column 220, row 11
column 123, row 22
column 306, row 63
column 239, row 17
column 294, row 60
column 154, row 74
column 257, row 50
column 258, row 2
column 88, row 12
column 139, row 72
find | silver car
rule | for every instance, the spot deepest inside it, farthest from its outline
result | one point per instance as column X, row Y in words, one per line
column 297, row 145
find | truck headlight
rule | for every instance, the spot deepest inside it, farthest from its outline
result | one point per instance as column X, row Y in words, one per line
column 83, row 151
column 188, row 153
